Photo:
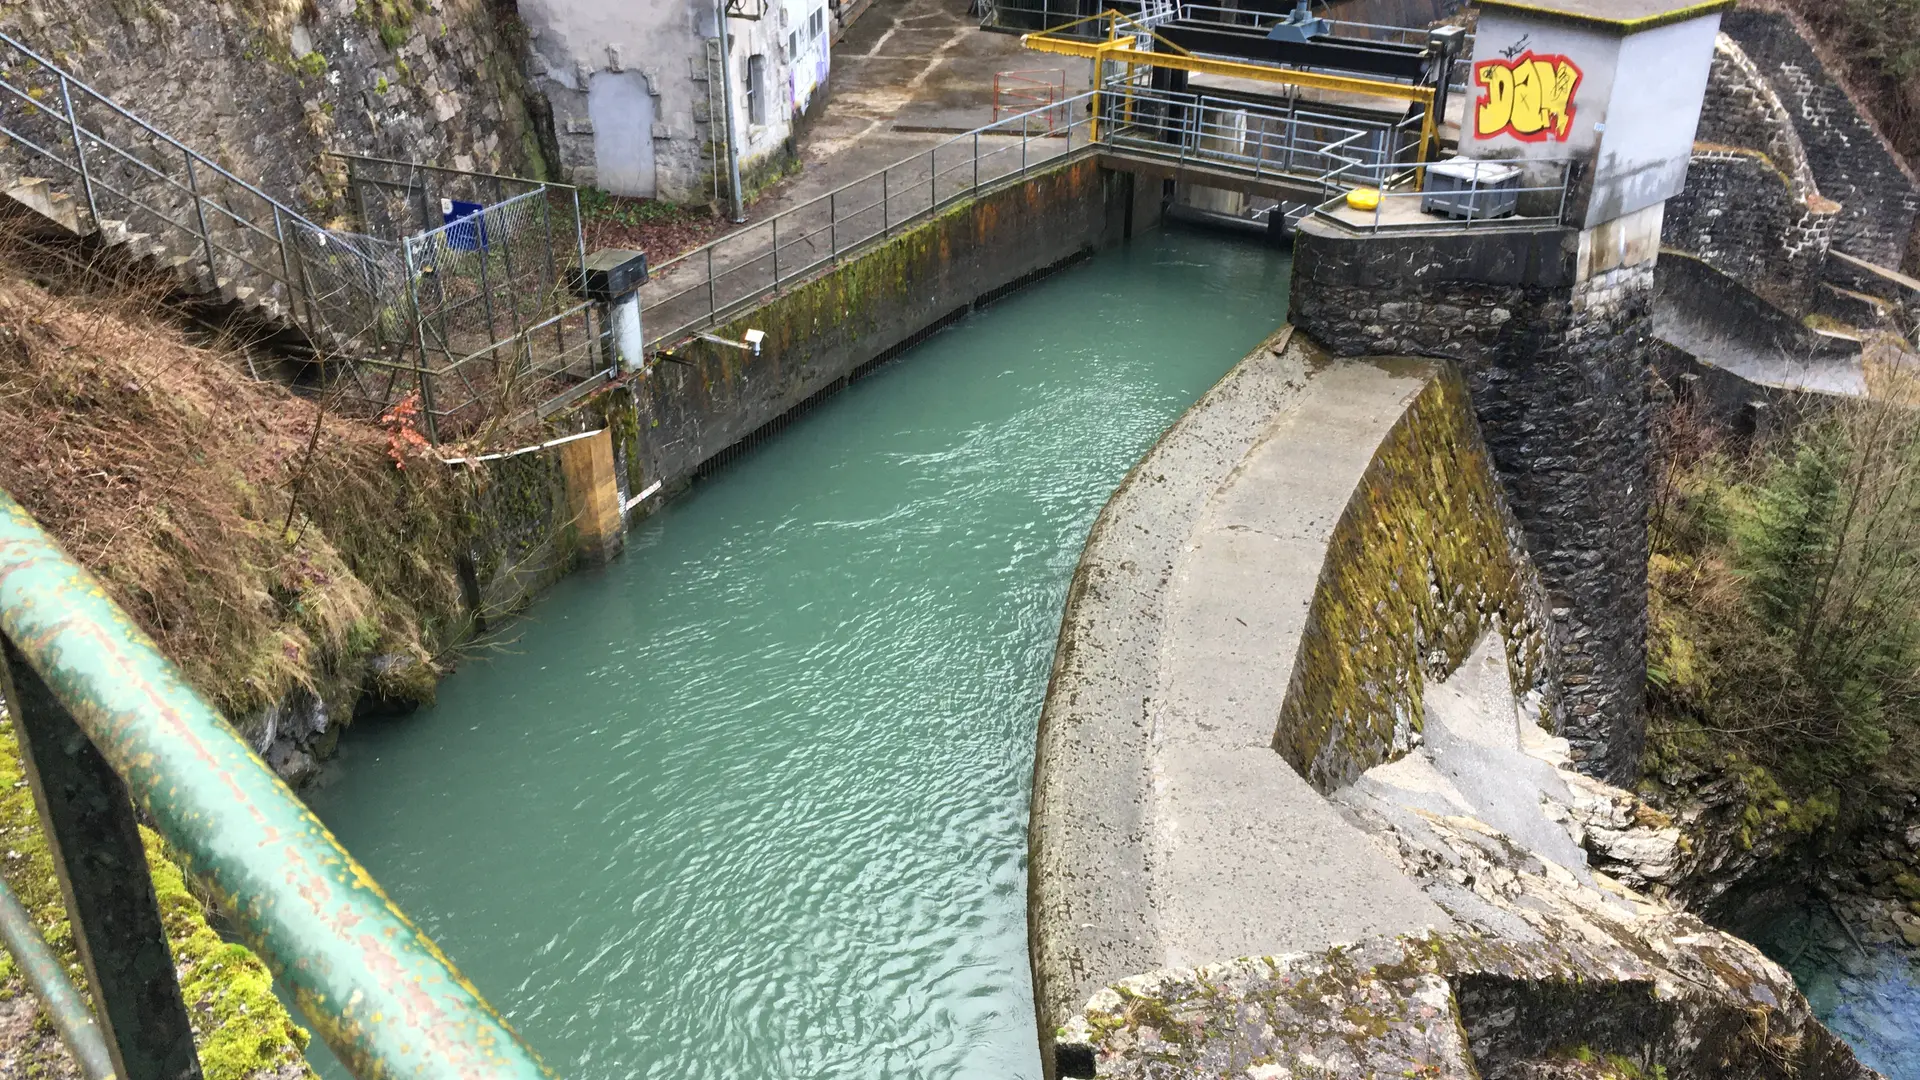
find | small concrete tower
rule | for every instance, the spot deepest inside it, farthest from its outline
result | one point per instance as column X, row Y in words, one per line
column 1549, row 316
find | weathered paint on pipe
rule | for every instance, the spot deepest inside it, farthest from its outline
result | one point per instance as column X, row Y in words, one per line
column 377, row 990
column 48, row 977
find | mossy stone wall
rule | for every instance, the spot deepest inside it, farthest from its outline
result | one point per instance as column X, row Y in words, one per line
column 1425, row 559
column 704, row 399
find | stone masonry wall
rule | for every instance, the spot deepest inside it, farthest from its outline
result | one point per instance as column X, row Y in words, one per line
column 1850, row 163
column 1742, row 215
column 1558, row 378
column 1742, row 109
column 267, row 87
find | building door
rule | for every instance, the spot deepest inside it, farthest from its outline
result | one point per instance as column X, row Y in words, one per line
column 622, row 115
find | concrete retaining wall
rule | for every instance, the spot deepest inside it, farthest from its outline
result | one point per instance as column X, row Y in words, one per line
column 1166, row 831
column 687, row 412
column 1425, row 560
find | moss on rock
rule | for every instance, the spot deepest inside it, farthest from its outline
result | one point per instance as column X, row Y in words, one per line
column 240, row 1029
column 1421, row 564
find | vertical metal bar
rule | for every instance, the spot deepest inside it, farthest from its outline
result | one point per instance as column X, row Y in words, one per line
column 579, row 252
column 553, row 263
column 200, row 216
column 47, row 975
column 420, row 335
column 480, row 246
column 1023, row 152
column 776, row 251
column 976, row 164
column 933, row 184
column 286, row 264
column 886, row 220
column 79, row 151
column 712, row 307
column 87, row 816
column 833, row 225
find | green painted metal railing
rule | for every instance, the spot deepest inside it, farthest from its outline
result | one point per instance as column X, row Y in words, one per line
column 375, row 988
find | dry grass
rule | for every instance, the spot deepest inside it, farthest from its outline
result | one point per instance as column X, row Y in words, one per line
column 163, row 468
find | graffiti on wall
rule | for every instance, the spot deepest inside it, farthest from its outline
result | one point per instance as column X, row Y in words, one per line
column 1528, row 97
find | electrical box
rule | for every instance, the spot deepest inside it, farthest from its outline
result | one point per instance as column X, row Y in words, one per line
column 1463, row 188
column 609, row 275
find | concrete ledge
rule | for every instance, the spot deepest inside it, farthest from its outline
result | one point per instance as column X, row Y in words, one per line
column 1165, row 830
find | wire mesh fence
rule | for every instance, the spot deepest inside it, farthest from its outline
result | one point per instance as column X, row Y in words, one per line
column 448, row 284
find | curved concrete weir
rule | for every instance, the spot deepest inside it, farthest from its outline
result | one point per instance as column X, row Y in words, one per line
column 1166, row 831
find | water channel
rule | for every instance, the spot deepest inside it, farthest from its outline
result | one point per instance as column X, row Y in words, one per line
column 751, row 802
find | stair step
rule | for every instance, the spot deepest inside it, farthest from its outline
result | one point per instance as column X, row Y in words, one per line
column 56, row 206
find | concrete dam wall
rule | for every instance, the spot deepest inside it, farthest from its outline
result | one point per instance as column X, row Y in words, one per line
column 1294, row 805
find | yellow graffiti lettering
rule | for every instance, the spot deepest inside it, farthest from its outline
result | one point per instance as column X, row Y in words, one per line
column 1496, row 109
column 1530, row 97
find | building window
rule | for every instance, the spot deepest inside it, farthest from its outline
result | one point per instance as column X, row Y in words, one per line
column 818, row 25
column 757, row 88
column 793, row 46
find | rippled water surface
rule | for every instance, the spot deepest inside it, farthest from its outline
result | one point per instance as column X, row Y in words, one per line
column 751, row 803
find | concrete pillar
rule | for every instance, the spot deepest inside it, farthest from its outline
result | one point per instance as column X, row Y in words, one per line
column 593, row 496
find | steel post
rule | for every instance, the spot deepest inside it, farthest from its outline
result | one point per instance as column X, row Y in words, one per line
column 48, row 978
column 200, row 218
column 79, row 150
column 87, row 817
column 420, row 336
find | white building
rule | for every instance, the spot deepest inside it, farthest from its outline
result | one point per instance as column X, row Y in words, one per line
column 636, row 100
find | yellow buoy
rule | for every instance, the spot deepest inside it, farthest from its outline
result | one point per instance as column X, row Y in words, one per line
column 1365, row 198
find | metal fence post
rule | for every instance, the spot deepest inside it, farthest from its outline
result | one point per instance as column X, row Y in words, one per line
column 933, row 184
column 200, row 217
column 79, row 151
column 420, row 336
column 775, row 222
column 833, row 225
column 712, row 307
column 886, row 221
column 976, row 164
column 87, row 816
column 286, row 263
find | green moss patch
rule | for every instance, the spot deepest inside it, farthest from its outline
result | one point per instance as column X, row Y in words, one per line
column 241, row 1030
column 1420, row 565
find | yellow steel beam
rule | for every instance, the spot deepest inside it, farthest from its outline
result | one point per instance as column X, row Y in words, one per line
column 1123, row 52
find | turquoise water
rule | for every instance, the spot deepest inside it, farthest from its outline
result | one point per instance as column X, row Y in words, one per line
column 751, row 803
column 1868, row 992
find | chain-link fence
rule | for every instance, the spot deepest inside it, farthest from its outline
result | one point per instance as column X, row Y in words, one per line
column 481, row 265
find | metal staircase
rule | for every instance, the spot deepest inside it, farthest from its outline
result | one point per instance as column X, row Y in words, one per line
column 466, row 307
column 89, row 170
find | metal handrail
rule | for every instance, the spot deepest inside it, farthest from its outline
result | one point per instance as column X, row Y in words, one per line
column 798, row 230
column 68, row 79
column 387, row 1001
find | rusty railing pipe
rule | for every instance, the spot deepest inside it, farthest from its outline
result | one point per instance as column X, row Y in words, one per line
column 387, row 1001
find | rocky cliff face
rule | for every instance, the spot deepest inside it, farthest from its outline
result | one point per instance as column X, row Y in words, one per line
column 268, row 87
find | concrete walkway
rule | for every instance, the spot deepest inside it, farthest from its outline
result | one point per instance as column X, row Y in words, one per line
column 907, row 78
column 1166, row 831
